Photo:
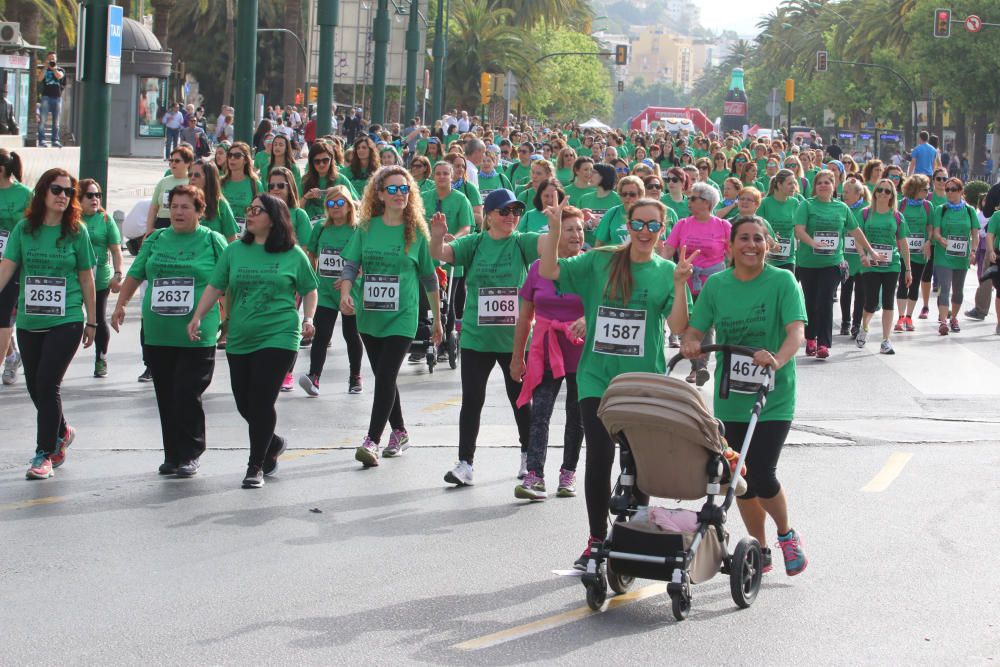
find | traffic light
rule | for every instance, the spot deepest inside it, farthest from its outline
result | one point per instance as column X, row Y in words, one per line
column 821, row 61
column 485, row 87
column 789, row 90
column 621, row 86
column 942, row 23
column 621, row 54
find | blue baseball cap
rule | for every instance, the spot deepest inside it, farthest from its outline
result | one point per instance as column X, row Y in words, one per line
column 500, row 198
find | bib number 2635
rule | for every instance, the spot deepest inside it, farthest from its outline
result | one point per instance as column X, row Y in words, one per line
column 44, row 296
column 620, row 331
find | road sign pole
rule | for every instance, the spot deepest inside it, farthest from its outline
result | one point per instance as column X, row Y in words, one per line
column 246, row 69
column 327, row 13
column 95, row 113
column 437, row 102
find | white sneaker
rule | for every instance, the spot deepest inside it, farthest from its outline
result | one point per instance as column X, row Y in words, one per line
column 10, row 366
column 460, row 475
column 886, row 348
column 862, row 337
column 523, row 470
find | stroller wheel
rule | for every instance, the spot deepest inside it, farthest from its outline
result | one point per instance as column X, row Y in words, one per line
column 745, row 572
column 597, row 591
column 453, row 351
column 619, row 583
column 681, row 605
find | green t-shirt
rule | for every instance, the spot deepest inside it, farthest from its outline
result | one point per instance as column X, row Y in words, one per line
column 316, row 208
column 810, row 175
column 993, row 227
column 260, row 162
column 518, row 174
column 851, row 255
column 883, row 232
column 753, row 313
column 50, row 287
column 224, row 222
column 621, row 337
column 826, row 222
column 598, row 206
column 13, row 203
column 938, row 200
column 358, row 180
column 302, row 226
column 103, row 234
column 494, row 272
column 680, row 208
column 389, row 278
column 918, row 218
column 533, row 221
column 450, row 138
column 240, row 194
column 574, row 194
column 161, row 194
column 956, row 226
column 527, row 197
column 565, row 175
column 471, row 193
column 781, row 217
column 327, row 244
column 261, row 288
column 719, row 177
column 496, row 182
column 177, row 268
column 457, row 211
column 265, row 173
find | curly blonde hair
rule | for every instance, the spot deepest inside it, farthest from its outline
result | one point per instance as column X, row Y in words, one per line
column 413, row 214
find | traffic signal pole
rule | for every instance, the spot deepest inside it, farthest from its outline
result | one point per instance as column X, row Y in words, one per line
column 327, row 13
column 95, row 114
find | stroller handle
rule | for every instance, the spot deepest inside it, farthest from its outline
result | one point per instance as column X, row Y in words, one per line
column 738, row 349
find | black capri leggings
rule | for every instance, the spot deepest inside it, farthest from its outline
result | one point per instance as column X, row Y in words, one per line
column 103, row 334
column 476, row 369
column 385, row 356
column 920, row 271
column 876, row 282
column 762, row 459
column 256, row 380
column 325, row 320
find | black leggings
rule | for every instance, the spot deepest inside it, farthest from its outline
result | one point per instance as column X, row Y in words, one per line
column 852, row 292
column 256, row 380
column 476, row 369
column 818, row 287
column 8, row 302
column 180, row 377
column 385, row 356
column 456, row 307
column 103, row 334
column 543, row 400
column 46, row 356
column 325, row 320
column 920, row 271
column 762, row 459
column 876, row 283
column 597, row 476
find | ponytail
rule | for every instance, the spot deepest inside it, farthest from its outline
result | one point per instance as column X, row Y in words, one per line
column 10, row 162
column 620, row 281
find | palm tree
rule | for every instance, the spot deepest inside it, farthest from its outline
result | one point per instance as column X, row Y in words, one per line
column 530, row 14
column 34, row 13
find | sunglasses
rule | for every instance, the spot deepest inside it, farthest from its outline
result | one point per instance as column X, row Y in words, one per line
column 510, row 210
column 652, row 225
column 696, row 198
column 630, row 193
column 884, row 191
column 673, row 179
column 654, row 186
column 941, row 179
column 236, row 156
column 92, row 195
column 60, row 190
column 277, row 186
column 621, row 170
column 336, row 203
column 397, row 189
column 953, row 189
column 176, row 160
column 703, row 168
column 253, row 210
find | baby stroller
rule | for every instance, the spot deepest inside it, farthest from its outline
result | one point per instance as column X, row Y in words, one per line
column 672, row 447
column 422, row 346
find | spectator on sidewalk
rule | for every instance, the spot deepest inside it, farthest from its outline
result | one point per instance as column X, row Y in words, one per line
column 173, row 121
column 53, row 83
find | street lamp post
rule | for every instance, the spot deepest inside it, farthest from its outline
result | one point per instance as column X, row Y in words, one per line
column 246, row 68
column 327, row 13
column 96, row 95
column 412, row 49
column 381, row 51
column 438, row 51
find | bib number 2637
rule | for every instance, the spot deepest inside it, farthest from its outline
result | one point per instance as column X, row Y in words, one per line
column 172, row 296
column 620, row 331
column 381, row 292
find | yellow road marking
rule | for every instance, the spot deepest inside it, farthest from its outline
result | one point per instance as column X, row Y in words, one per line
column 48, row 500
column 443, row 405
column 889, row 472
column 564, row 618
column 300, row 453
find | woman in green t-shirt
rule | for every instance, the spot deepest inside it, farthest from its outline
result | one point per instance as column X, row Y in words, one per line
column 583, row 171
column 597, row 202
column 281, row 156
column 919, row 215
column 239, row 185
column 14, row 199
column 325, row 246
column 490, row 177
column 389, row 254
column 778, row 208
column 755, row 305
column 176, row 264
column 677, row 182
column 852, row 290
column 938, row 180
column 564, row 165
column 364, row 162
column 158, row 216
column 51, row 247
column 261, row 277
column 107, row 243
column 420, row 169
column 496, row 263
column 321, row 175
column 218, row 215
column 628, row 291
column 460, row 184
column 956, row 237
column 886, row 230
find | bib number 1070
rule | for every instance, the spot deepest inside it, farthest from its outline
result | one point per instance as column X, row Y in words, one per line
column 381, row 292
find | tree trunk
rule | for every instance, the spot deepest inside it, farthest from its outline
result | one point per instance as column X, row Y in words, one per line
column 227, row 86
column 959, row 122
column 977, row 144
column 293, row 72
column 938, row 127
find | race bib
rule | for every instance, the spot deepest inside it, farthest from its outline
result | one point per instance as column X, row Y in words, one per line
column 915, row 243
column 4, row 235
column 497, row 306
column 746, row 377
column 850, row 245
column 172, row 296
column 826, row 243
column 783, row 249
column 45, row 296
column 620, row 331
column 165, row 200
column 330, row 264
column 317, row 220
column 958, row 246
column 381, row 292
column 883, row 254
column 241, row 226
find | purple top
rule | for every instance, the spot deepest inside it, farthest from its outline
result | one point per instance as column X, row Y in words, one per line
column 551, row 305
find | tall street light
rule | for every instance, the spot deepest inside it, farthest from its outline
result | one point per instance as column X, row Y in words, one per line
column 382, row 27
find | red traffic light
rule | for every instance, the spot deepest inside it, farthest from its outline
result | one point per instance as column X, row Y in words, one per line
column 942, row 23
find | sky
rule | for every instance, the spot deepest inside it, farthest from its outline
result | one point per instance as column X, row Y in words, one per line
column 741, row 16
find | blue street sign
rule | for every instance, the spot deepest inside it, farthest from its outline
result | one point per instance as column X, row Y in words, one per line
column 113, row 66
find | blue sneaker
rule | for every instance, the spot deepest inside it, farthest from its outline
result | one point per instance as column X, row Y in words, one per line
column 791, row 549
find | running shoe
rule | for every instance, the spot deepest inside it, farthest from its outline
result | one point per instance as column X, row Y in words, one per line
column 188, row 468
column 367, row 453
column 417, row 357
column 581, row 562
column 168, row 468
column 701, row 377
column 399, row 442
column 277, row 448
column 908, row 324
column 147, row 375
column 567, row 483
column 460, row 475
column 289, row 383
column 997, row 330
column 923, row 313
column 854, row 332
column 523, row 469
column 791, row 549
column 254, row 478
column 62, row 444
column 899, row 325
column 974, row 314
column 673, row 341
column 40, row 467
column 811, row 347
column 306, row 342
column 691, row 377
column 354, row 384
column 845, row 328
column 532, row 487
column 822, row 352
column 942, row 327
column 886, row 348
column 309, row 384
column 10, row 365
column 100, row 368
column 765, row 561
column 954, row 325
column 9, row 375
column 862, row 337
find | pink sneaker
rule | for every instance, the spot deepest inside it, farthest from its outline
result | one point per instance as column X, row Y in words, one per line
column 289, row 383
column 62, row 444
column 399, row 442
column 811, row 347
column 367, row 453
column 822, row 352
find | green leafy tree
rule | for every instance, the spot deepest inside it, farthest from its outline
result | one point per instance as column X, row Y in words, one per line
column 569, row 87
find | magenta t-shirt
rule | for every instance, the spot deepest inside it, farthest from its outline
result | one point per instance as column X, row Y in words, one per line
column 552, row 305
column 711, row 237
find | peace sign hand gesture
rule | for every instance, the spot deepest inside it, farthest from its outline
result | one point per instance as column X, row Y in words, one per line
column 685, row 265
